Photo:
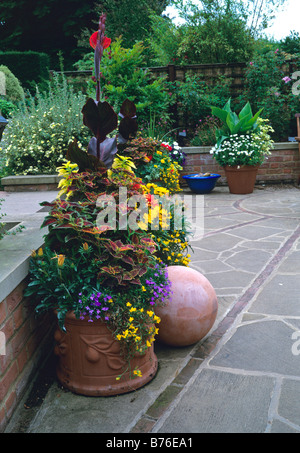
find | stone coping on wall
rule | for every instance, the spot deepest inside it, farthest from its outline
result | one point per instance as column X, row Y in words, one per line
column 15, row 251
column 206, row 149
column 29, row 183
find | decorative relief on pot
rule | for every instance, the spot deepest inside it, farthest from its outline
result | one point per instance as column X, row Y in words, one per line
column 100, row 348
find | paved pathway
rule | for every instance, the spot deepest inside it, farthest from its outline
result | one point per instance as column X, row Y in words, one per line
column 244, row 377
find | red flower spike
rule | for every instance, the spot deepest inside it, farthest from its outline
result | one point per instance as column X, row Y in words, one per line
column 105, row 43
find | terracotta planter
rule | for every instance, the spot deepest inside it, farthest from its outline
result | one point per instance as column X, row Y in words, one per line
column 241, row 179
column 89, row 360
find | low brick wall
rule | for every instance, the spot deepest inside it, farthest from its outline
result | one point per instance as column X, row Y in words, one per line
column 27, row 342
column 25, row 339
column 283, row 166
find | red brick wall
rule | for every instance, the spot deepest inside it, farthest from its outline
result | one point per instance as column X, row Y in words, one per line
column 28, row 341
column 282, row 166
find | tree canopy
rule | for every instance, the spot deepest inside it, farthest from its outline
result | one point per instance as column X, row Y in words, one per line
column 51, row 26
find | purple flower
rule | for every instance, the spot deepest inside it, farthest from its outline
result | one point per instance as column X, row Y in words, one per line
column 286, row 79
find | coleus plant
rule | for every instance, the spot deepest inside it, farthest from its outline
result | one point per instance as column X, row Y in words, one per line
column 123, row 256
column 101, row 119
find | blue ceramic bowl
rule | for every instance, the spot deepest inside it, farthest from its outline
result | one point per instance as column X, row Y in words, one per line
column 201, row 184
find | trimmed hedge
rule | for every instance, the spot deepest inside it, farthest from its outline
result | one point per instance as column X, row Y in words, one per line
column 27, row 66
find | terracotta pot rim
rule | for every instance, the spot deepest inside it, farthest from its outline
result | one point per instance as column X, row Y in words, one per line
column 241, row 167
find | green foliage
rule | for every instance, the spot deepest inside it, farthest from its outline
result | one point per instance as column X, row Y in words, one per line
column 7, row 108
column 123, row 77
column 164, row 41
column 205, row 134
column 29, row 67
column 215, row 32
column 232, row 123
column 13, row 88
column 36, row 138
column 195, row 98
column 130, row 19
column 42, row 27
column 267, row 88
column 222, row 40
column 291, row 44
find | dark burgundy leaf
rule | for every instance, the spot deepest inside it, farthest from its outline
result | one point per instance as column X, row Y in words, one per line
column 128, row 128
column 128, row 109
column 100, row 118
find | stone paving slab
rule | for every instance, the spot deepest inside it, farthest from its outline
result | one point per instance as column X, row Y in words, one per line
column 221, row 402
column 244, row 377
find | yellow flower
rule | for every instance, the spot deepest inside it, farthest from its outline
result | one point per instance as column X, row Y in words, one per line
column 128, row 304
column 150, row 313
column 137, row 373
column 85, row 246
column 143, row 288
column 40, row 251
column 132, row 309
column 60, row 260
column 33, row 253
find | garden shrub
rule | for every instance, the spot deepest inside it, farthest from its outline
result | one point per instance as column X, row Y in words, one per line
column 29, row 67
column 269, row 86
column 36, row 138
column 7, row 107
column 205, row 134
column 195, row 98
column 123, row 77
column 13, row 89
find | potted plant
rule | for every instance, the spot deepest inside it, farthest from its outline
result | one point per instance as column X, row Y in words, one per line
column 102, row 271
column 243, row 143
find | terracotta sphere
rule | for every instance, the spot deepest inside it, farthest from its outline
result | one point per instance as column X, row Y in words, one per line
column 191, row 309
